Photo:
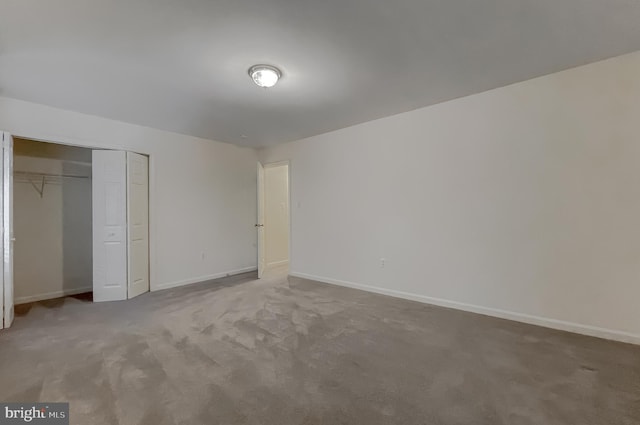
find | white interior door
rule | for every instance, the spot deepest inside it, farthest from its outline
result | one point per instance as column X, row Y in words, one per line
column 138, row 223
column 7, row 226
column 260, row 222
column 109, row 169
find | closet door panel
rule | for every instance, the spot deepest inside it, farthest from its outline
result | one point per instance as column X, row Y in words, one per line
column 109, row 188
column 138, row 223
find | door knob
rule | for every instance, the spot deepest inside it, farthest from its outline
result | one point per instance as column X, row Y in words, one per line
column 259, row 225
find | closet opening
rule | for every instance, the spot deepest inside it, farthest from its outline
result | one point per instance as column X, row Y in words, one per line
column 75, row 223
column 52, row 214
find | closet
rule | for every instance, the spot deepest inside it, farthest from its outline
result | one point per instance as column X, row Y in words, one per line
column 75, row 220
column 52, row 213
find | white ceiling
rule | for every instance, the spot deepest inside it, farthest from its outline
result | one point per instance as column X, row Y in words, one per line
column 181, row 65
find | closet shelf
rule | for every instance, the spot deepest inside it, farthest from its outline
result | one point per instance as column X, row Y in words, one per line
column 34, row 174
column 43, row 179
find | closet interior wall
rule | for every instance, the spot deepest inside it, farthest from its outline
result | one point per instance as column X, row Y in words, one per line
column 52, row 221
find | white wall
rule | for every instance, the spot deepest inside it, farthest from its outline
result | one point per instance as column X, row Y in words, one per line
column 521, row 202
column 203, row 193
column 52, row 254
column 77, row 243
column 276, row 214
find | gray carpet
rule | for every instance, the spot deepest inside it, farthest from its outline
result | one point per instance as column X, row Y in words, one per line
column 288, row 351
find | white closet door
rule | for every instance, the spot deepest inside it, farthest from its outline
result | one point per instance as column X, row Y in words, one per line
column 7, row 226
column 138, row 223
column 109, row 225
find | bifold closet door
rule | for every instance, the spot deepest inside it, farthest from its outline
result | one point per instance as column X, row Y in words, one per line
column 138, row 223
column 109, row 187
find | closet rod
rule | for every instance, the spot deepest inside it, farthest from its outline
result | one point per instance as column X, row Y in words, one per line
column 34, row 174
column 30, row 176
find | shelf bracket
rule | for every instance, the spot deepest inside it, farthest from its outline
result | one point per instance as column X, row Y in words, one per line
column 40, row 189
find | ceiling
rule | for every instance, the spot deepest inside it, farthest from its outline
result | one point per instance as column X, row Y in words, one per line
column 181, row 65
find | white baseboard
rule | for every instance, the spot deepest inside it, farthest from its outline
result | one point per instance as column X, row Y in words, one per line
column 51, row 295
column 202, row 278
column 278, row 263
column 487, row 311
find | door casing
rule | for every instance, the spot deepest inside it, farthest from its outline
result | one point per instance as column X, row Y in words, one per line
column 260, row 222
column 7, row 230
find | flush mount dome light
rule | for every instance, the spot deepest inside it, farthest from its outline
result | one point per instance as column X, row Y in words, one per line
column 265, row 75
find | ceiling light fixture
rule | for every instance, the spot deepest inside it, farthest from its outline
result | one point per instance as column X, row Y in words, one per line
column 265, row 75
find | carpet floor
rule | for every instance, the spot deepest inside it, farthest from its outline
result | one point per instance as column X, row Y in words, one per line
column 284, row 351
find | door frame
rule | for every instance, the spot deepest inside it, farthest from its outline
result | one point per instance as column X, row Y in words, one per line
column 153, row 281
column 6, row 264
column 260, row 211
column 286, row 162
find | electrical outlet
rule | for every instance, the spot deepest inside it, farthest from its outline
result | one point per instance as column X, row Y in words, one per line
column 382, row 261
column 202, row 255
